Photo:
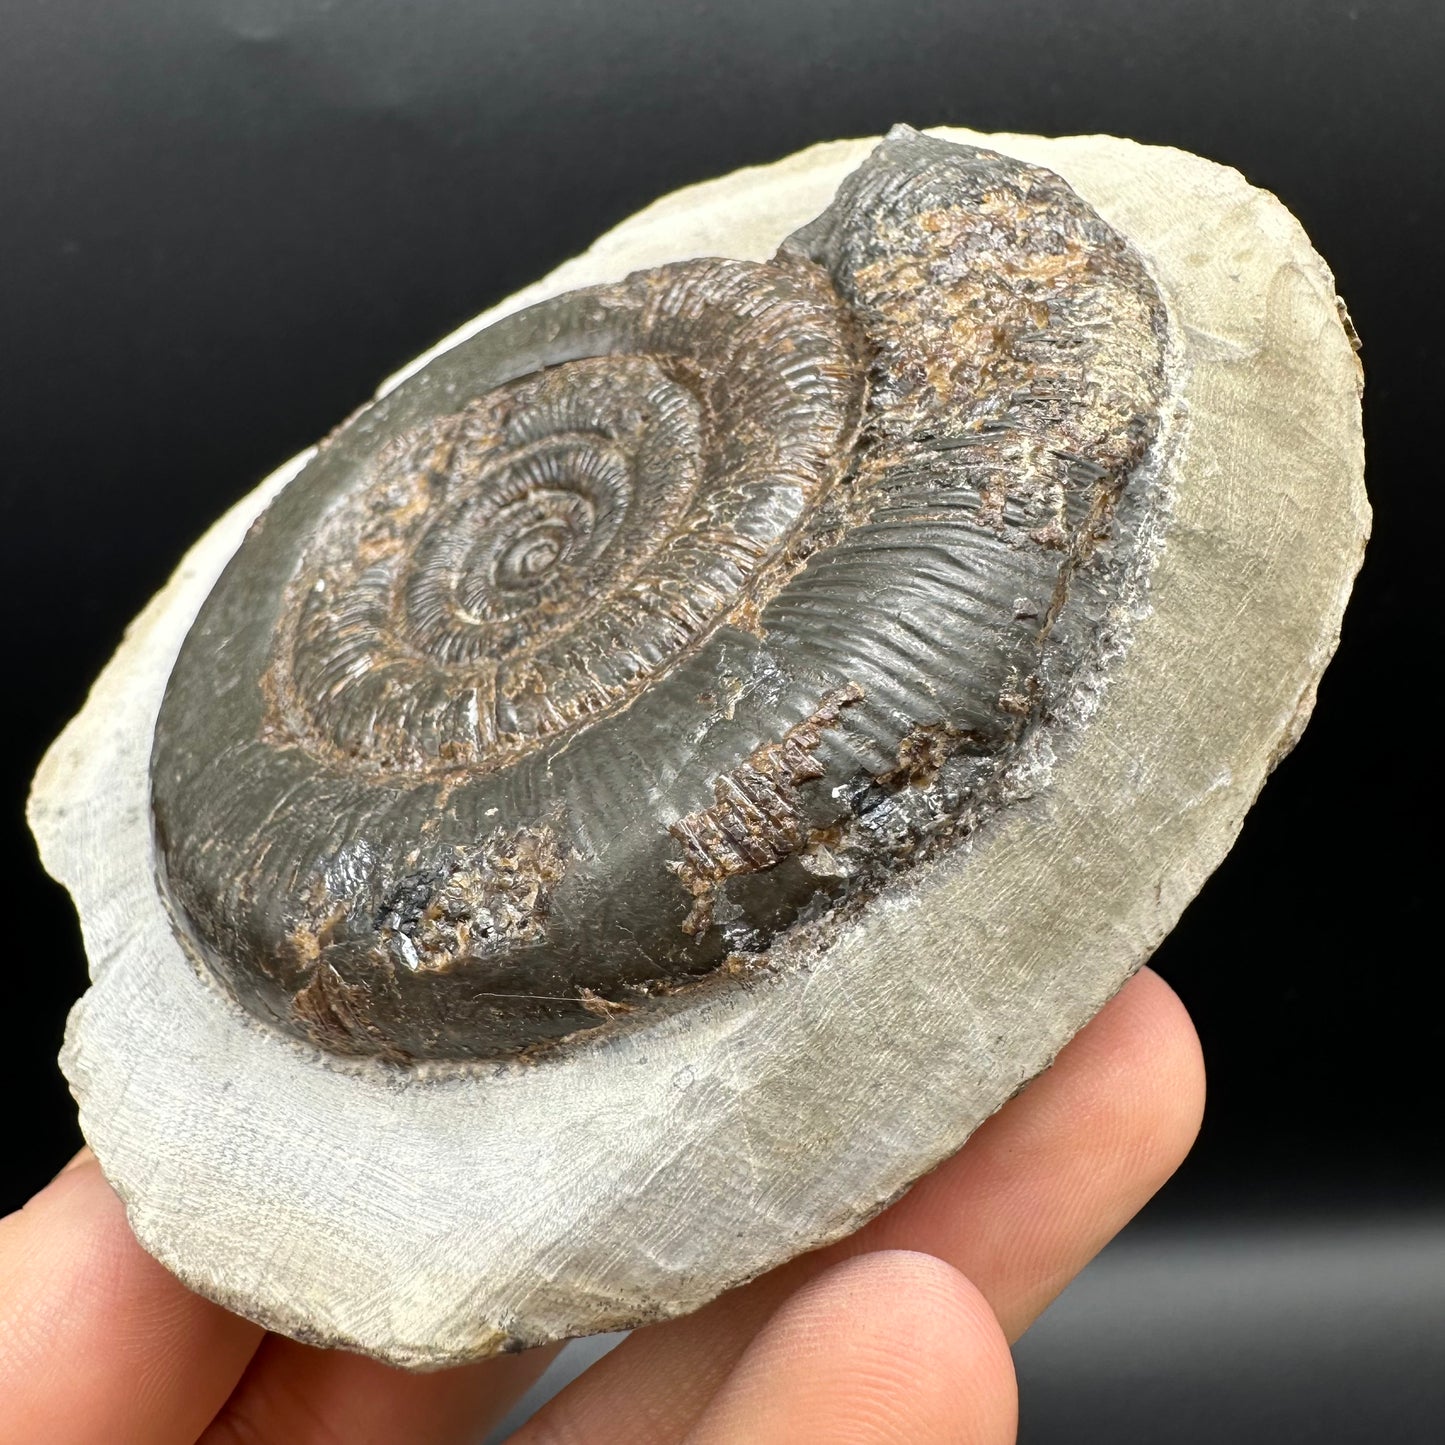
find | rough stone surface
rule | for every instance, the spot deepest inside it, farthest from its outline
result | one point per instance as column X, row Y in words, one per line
column 428, row 1216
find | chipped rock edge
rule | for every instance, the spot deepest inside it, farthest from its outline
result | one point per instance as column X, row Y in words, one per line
column 431, row 1219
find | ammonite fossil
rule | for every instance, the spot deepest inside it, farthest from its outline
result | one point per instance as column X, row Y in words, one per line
column 661, row 615
column 790, row 671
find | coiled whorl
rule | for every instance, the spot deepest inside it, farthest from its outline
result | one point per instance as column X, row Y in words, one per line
column 659, row 617
column 498, row 575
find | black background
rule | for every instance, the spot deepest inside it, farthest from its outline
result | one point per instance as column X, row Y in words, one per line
column 223, row 221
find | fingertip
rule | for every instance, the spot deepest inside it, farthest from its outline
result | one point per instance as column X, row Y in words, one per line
column 1134, row 1081
column 1178, row 1047
column 1119, row 1111
column 1046, row 1182
column 933, row 1339
column 887, row 1347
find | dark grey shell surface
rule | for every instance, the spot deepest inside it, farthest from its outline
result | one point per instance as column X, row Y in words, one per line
column 660, row 618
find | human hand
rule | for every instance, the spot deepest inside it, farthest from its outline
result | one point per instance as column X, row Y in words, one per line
column 899, row 1333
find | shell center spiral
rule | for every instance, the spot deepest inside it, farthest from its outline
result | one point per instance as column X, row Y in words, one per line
column 501, row 574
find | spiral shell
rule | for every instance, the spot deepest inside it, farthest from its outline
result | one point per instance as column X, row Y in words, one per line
column 501, row 574
column 661, row 618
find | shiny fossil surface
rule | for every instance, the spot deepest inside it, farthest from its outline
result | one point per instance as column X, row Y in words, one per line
column 662, row 614
column 433, row 1210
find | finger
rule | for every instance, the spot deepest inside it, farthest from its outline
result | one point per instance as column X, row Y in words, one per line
column 97, row 1341
column 1035, row 1194
column 891, row 1348
column 296, row 1395
column 1046, row 1183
